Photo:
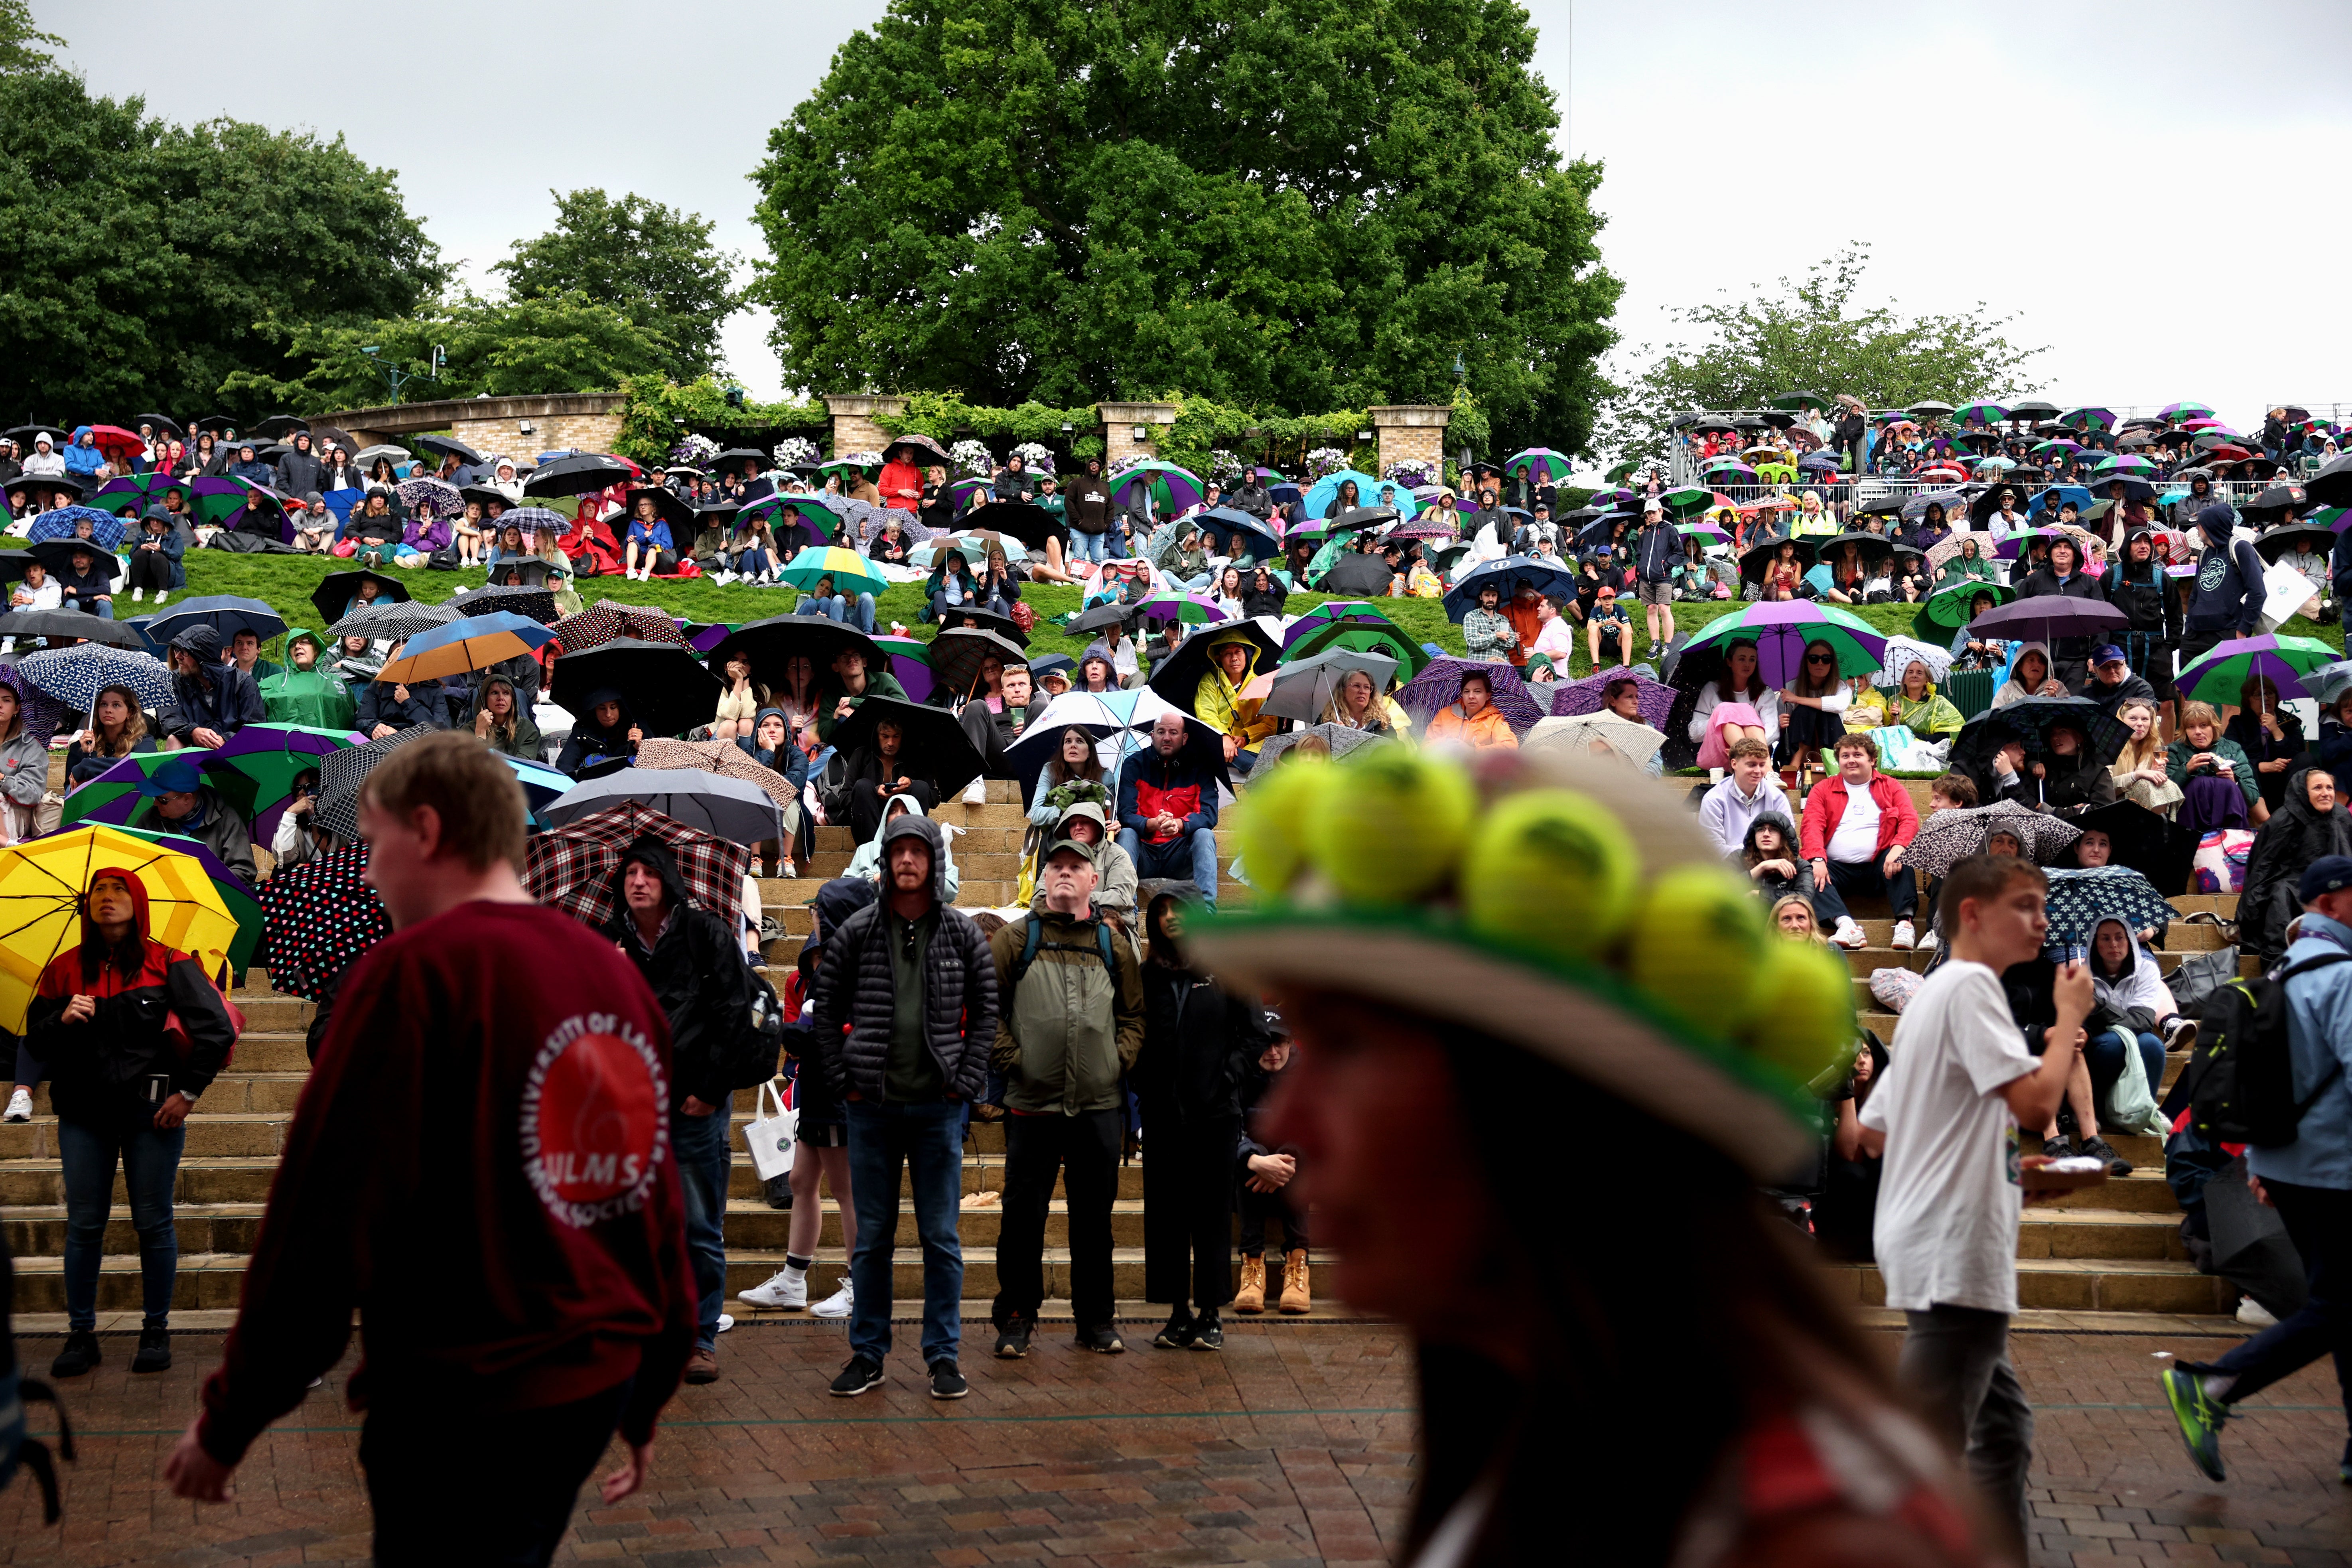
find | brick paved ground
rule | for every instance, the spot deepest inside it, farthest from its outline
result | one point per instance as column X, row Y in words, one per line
column 1294, row 1445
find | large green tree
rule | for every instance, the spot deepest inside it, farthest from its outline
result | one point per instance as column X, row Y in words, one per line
column 653, row 264
column 23, row 46
column 1287, row 204
column 139, row 260
column 1812, row 335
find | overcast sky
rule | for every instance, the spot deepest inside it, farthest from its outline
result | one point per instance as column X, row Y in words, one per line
column 1741, row 143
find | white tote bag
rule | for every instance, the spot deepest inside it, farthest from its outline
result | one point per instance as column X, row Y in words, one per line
column 771, row 1137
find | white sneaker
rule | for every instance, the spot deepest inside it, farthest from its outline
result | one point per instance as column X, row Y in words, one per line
column 162, row 595
column 976, row 793
column 20, row 1106
column 836, row 1305
column 726, row 1322
column 1905, row 939
column 2255, row 1315
column 788, row 1289
column 138, row 595
column 1848, row 934
column 1930, row 943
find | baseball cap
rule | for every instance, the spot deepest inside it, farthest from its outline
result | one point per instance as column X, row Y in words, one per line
column 1606, row 592
column 2328, row 873
column 2108, row 653
column 1075, row 847
column 1652, row 505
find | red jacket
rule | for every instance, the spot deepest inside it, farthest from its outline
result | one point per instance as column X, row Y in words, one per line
column 1899, row 819
column 480, row 1166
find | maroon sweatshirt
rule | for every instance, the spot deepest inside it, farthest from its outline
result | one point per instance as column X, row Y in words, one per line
column 480, row 1166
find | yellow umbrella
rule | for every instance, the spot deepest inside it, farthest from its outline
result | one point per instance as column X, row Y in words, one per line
column 41, row 886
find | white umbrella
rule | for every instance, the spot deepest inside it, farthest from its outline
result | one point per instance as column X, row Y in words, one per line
column 1635, row 741
column 1902, row 650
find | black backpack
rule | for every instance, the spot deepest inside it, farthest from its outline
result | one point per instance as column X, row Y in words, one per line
column 751, row 1058
column 18, row 1449
column 2244, row 1088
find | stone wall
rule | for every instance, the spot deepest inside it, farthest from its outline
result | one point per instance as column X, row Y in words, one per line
column 1121, row 421
column 853, row 429
column 584, row 421
column 1410, row 433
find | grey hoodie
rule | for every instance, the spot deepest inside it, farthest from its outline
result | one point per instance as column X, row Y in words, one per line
column 866, row 860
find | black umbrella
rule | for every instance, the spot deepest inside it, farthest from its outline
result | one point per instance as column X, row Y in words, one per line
column 1178, row 675
column 341, row 771
column 2145, row 842
column 754, row 459
column 1371, row 517
column 956, row 653
column 323, row 434
column 1874, row 546
column 448, row 447
column 668, row 506
column 664, row 688
column 538, row 603
column 988, row 621
column 1757, row 559
column 24, row 483
column 716, row 514
column 280, row 426
column 216, row 423
column 578, row 475
column 2278, row 541
column 24, row 434
column 768, row 644
column 2278, row 499
column 13, row 564
column 336, row 590
column 2251, row 1247
column 1929, row 410
column 58, row 554
column 1989, row 502
column 931, row 744
column 23, row 624
column 2033, row 408
column 1354, row 573
column 485, row 494
column 2332, row 486
column 2030, row 721
column 1880, row 505
column 162, row 422
column 1102, row 617
column 1031, row 525
column 919, row 450
column 522, row 572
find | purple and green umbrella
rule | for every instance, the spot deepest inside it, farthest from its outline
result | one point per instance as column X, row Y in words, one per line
column 1360, row 636
column 1703, row 530
column 2217, row 675
column 230, row 503
column 910, row 661
column 2181, row 413
column 1781, row 629
column 131, row 494
column 1982, row 413
column 113, row 795
column 1172, row 490
column 2091, row 417
column 1190, row 608
column 1330, row 610
column 255, row 769
column 1539, row 462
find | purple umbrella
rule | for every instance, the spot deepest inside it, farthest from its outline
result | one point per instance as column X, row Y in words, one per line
column 2045, row 618
column 1440, row 686
column 1574, row 697
column 710, row 637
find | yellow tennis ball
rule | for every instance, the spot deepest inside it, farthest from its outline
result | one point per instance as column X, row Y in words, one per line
column 1270, row 820
column 1388, row 825
column 1551, row 868
column 1803, row 1022
column 1698, row 947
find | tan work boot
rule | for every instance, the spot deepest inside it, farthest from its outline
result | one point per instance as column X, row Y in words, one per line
column 1293, row 1282
column 1252, row 1298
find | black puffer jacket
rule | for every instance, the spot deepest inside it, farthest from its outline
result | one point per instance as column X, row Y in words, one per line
column 1199, row 1040
column 2291, row 839
column 854, row 988
column 696, row 971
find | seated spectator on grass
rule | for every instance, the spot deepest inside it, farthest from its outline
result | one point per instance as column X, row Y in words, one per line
column 1487, row 632
column 1610, row 628
column 2217, row 782
column 1736, row 705
column 1857, row 825
column 1746, row 793
column 1473, row 720
column 1168, row 811
column 388, row 707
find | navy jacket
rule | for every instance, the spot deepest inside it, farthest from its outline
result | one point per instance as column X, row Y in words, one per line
column 2227, row 594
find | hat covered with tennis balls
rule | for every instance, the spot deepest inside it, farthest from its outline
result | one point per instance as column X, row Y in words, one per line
column 1557, row 902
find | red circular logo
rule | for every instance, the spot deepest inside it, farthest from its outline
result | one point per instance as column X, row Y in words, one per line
column 594, row 1120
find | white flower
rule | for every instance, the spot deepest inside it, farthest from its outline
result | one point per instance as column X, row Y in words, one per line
column 1325, row 460
column 1036, row 456
column 795, row 452
column 1226, row 468
column 694, row 451
column 972, row 457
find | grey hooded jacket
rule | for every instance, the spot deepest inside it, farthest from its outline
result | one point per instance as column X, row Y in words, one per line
column 854, row 988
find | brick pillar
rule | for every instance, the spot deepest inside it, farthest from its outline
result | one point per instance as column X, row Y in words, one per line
column 853, row 429
column 1411, row 432
column 1121, row 421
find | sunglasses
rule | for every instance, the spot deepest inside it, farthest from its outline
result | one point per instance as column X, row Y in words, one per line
column 1821, row 658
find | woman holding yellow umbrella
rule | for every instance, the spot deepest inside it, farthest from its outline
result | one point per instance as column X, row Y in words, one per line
column 92, row 979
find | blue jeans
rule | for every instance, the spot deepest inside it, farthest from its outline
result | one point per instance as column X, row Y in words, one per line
column 837, row 607
column 151, row 1166
column 102, row 609
column 2318, row 1220
column 1088, row 547
column 2103, row 1056
column 1188, row 856
column 751, row 563
column 925, row 1139
column 700, row 1144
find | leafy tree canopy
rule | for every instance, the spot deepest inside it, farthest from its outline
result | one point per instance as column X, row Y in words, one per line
column 23, row 46
column 138, row 258
column 1810, row 336
column 1289, row 206
column 653, row 264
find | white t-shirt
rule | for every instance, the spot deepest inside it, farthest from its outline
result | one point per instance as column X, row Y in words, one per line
column 1947, row 1199
column 1855, row 842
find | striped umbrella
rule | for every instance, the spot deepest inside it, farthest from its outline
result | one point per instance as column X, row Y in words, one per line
column 392, row 619
column 2181, row 413
column 1190, row 608
column 2217, row 675
column 851, row 573
column 1982, row 413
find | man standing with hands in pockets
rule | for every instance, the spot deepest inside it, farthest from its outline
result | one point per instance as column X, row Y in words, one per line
column 1946, row 1116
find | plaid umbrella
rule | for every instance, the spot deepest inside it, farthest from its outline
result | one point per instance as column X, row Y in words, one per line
column 1948, row 838
column 430, row 498
column 387, row 619
column 1571, row 697
column 339, row 775
column 724, row 758
column 570, row 868
column 607, row 620
column 539, row 604
column 317, row 918
column 74, row 675
column 2079, row 901
column 105, row 528
column 42, row 713
column 1439, row 686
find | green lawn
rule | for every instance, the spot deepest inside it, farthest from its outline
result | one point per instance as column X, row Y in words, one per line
column 285, row 583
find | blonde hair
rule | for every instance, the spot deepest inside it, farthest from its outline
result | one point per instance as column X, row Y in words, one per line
column 2195, row 713
column 2147, row 752
column 1813, row 922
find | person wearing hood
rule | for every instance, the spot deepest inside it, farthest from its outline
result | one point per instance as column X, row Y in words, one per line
column 24, row 764
column 769, row 744
column 848, row 684
column 1199, row 1042
column 83, row 458
column 1914, row 704
column 2227, row 598
column 211, row 701
column 387, row 707
column 1767, row 854
column 121, row 1091
column 2311, row 822
column 2136, row 1010
column 2030, row 675
column 43, row 461
column 503, row 480
column 156, row 559
column 425, row 536
column 904, row 1009
column 604, row 732
column 180, row 801
column 1115, row 886
column 298, row 467
column 866, row 862
column 249, row 467
column 2069, row 776
column 695, row 967
column 353, row 661
column 501, row 719
column 1218, row 702
column 2064, row 578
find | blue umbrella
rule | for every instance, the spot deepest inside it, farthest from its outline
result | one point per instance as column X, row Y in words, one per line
column 1551, row 578
column 225, row 613
column 1325, row 492
column 541, row 783
column 2056, row 496
column 104, row 526
column 75, row 674
column 1238, row 531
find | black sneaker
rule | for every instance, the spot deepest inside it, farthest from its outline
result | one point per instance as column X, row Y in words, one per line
column 2057, row 1148
column 1208, row 1334
column 2098, row 1149
column 81, row 1353
column 859, row 1375
column 1012, row 1338
column 1102, row 1341
column 947, row 1383
column 1178, row 1334
column 155, row 1353
column 778, row 1191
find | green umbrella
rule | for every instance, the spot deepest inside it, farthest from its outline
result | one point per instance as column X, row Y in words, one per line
column 255, row 772
column 1361, row 637
column 1986, row 413
column 851, row 573
column 131, row 494
column 113, row 795
column 1801, row 400
column 1949, row 605
column 309, row 699
column 1687, row 501
column 243, row 906
column 2218, row 675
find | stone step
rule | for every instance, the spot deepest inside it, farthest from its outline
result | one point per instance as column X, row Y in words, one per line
column 265, row 1092
column 2082, row 1285
column 2100, row 1233
column 1862, row 960
column 2144, row 1192
column 248, row 1133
